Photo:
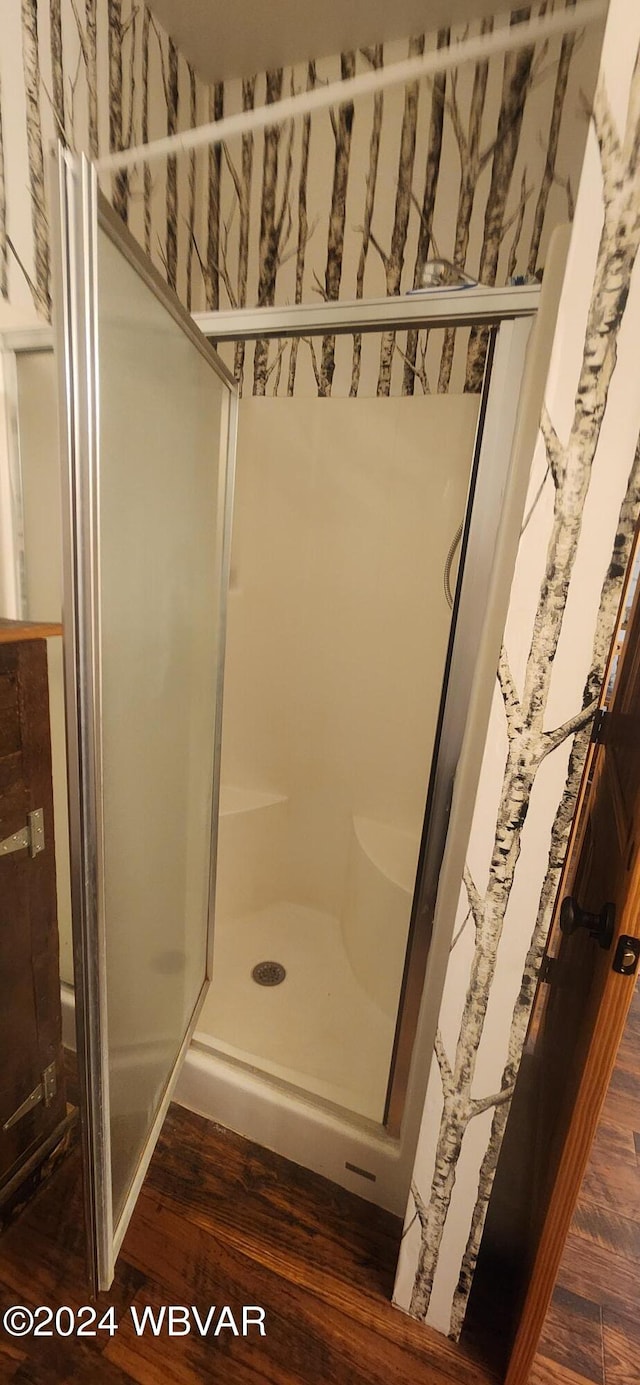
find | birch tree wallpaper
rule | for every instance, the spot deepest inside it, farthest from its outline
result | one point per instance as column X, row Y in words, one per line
column 564, row 600
column 476, row 166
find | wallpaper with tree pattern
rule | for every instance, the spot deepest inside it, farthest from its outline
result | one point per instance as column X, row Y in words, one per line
column 476, row 166
column 588, row 445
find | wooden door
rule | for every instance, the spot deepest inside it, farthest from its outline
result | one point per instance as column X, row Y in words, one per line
column 30, row 1012
column 588, row 980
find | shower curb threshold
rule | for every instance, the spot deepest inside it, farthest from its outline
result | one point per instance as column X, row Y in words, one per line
column 310, row 1132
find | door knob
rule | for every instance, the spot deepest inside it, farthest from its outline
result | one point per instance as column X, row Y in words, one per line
column 600, row 926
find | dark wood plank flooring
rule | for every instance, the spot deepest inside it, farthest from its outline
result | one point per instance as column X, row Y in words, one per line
column 592, row 1331
column 221, row 1221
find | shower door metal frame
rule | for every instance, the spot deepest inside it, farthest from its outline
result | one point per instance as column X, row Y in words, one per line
column 508, row 314
column 83, row 212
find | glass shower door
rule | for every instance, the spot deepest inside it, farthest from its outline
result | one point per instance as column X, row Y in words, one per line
column 148, row 435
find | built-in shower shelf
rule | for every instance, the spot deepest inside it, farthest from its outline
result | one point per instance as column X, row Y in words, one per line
column 393, row 851
column 377, row 905
column 235, row 800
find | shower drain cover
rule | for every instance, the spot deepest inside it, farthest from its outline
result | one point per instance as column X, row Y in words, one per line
column 268, row 973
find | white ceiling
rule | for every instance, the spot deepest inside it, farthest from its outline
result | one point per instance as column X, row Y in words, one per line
column 243, row 37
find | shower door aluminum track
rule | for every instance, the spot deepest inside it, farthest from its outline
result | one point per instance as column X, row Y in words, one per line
column 509, row 314
column 469, row 307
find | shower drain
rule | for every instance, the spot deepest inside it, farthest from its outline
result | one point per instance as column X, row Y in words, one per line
column 268, row 973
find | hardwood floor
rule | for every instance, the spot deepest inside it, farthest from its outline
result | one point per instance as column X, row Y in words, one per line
column 592, row 1331
column 221, row 1221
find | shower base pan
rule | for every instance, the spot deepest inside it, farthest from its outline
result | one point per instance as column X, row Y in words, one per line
column 318, row 1029
column 300, row 1067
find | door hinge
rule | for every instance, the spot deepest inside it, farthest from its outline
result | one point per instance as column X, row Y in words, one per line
column 599, row 722
column 31, row 836
column 45, row 1091
column 549, row 965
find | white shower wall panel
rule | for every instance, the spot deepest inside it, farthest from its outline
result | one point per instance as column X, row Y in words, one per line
column 338, row 622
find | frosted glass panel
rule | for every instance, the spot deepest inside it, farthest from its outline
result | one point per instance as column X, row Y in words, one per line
column 162, row 410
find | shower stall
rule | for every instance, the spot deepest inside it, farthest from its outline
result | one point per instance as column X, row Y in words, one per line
column 352, row 636
column 337, row 632
column 362, row 554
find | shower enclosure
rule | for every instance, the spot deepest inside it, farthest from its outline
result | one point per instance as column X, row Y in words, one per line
column 338, row 624
column 353, row 629
column 361, row 565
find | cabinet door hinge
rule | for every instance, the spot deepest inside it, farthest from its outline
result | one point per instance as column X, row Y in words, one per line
column 45, row 1091
column 547, row 969
column 31, row 836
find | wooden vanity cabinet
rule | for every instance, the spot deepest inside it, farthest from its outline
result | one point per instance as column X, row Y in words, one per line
column 33, row 1110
